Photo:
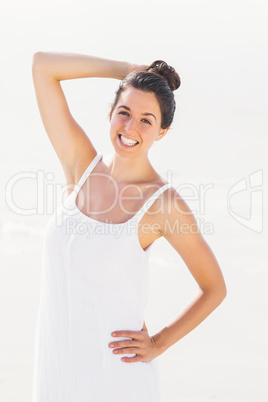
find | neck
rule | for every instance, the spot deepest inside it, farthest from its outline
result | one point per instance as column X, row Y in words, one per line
column 130, row 169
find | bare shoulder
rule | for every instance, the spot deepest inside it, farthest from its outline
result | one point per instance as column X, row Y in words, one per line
column 173, row 211
column 175, row 203
column 170, row 199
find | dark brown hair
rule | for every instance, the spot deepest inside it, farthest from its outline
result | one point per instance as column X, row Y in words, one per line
column 159, row 79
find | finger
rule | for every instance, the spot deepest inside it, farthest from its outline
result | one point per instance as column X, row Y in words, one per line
column 144, row 327
column 128, row 334
column 133, row 359
column 123, row 343
column 125, row 351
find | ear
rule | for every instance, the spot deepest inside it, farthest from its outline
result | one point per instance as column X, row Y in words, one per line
column 162, row 133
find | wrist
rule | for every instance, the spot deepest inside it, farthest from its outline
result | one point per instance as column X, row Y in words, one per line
column 133, row 67
column 120, row 69
column 160, row 341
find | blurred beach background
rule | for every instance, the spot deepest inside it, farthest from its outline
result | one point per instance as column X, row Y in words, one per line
column 215, row 155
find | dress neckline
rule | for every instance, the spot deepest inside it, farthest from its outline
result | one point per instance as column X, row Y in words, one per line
column 139, row 214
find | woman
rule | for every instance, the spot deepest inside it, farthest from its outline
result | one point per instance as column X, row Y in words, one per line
column 96, row 245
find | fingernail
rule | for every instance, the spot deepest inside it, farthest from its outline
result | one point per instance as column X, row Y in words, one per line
column 111, row 345
column 114, row 333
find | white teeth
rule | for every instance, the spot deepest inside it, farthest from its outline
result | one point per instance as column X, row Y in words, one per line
column 127, row 141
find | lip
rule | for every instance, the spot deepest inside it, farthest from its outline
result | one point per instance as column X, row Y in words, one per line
column 126, row 146
column 127, row 136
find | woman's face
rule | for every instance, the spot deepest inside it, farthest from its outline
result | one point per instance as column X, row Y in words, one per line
column 135, row 122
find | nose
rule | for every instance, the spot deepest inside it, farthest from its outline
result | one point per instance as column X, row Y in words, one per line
column 130, row 125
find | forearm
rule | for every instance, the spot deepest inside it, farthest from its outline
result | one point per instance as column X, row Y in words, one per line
column 65, row 66
column 190, row 319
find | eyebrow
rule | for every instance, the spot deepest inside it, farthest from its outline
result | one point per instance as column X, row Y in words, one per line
column 143, row 114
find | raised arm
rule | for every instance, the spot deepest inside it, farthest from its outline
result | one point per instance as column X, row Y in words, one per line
column 73, row 147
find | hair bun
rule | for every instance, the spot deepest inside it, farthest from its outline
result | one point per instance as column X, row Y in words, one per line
column 167, row 72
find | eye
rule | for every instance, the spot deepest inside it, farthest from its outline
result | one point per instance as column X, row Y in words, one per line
column 124, row 113
column 146, row 121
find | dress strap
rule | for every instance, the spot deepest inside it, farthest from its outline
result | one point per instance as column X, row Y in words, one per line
column 88, row 170
column 150, row 201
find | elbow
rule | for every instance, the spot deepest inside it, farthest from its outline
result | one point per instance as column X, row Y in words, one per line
column 216, row 294
column 223, row 289
column 38, row 60
column 36, row 57
column 220, row 293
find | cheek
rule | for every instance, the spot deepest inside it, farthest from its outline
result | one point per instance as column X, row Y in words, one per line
column 149, row 133
column 113, row 126
column 116, row 122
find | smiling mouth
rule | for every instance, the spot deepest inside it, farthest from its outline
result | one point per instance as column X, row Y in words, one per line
column 127, row 141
